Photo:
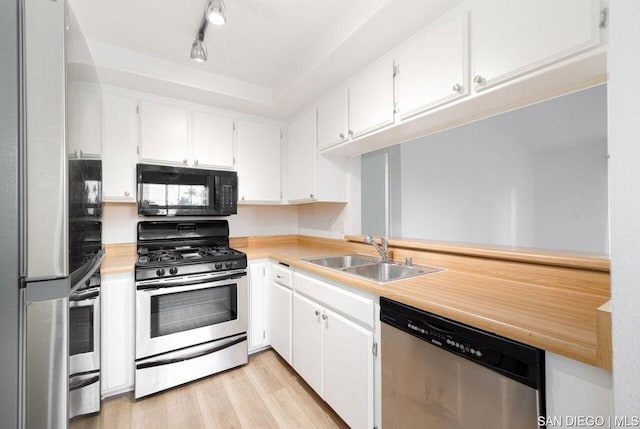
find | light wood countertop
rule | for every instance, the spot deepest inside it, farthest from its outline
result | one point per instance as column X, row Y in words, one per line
column 545, row 307
column 559, row 320
column 119, row 258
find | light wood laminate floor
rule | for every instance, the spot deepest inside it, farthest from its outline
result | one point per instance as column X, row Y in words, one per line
column 265, row 393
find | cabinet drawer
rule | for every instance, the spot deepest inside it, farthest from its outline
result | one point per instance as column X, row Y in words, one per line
column 281, row 275
column 351, row 305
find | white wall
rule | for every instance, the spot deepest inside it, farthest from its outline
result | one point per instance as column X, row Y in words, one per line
column 624, row 189
column 119, row 222
column 322, row 219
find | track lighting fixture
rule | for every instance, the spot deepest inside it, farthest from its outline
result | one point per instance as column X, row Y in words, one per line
column 215, row 13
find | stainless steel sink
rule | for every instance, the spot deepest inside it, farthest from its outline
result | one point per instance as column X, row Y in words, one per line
column 386, row 272
column 344, row 261
column 372, row 268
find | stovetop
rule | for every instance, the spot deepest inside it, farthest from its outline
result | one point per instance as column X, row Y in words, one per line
column 175, row 249
column 186, row 254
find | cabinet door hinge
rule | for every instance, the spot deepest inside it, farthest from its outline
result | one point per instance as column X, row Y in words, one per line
column 264, row 334
column 396, row 70
column 604, row 17
column 234, row 126
column 374, row 349
column 264, row 271
column 234, row 160
column 137, row 109
column 280, row 134
column 396, row 107
column 138, row 150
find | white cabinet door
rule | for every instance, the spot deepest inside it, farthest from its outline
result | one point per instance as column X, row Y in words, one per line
column 332, row 119
column 348, row 370
column 371, row 99
column 280, row 308
column 509, row 38
column 117, row 353
column 164, row 133
column 212, row 143
column 119, row 154
column 258, row 161
column 307, row 341
column 433, row 67
column 257, row 306
column 302, row 167
column 85, row 119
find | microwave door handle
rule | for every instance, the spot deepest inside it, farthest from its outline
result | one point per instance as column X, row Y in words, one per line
column 89, row 295
column 192, row 356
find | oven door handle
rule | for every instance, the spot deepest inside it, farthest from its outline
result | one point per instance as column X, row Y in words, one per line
column 188, row 281
column 193, row 356
column 83, row 383
column 88, row 295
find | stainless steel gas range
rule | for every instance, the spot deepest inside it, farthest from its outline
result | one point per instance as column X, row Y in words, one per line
column 191, row 303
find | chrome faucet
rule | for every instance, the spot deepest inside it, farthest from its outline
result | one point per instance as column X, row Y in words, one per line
column 384, row 251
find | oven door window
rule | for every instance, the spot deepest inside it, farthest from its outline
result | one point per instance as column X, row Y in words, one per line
column 183, row 311
column 81, row 330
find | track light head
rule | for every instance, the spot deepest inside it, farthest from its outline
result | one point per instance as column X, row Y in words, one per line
column 217, row 12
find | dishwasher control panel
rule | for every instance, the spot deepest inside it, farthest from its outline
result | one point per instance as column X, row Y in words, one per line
column 443, row 340
column 510, row 358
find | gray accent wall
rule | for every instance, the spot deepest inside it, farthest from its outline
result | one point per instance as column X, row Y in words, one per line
column 532, row 177
column 9, row 214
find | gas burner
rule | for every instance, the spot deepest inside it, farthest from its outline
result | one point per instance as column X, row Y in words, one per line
column 216, row 251
column 163, row 255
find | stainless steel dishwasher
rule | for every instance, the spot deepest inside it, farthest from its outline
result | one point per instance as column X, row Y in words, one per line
column 441, row 374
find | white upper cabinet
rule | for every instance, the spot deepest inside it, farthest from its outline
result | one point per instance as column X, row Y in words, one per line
column 258, row 161
column 332, row 119
column 119, row 154
column 510, row 38
column 432, row 67
column 371, row 99
column 301, row 158
column 212, row 143
column 164, row 133
column 85, row 120
column 310, row 175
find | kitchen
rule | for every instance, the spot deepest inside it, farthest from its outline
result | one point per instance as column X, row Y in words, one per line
column 299, row 134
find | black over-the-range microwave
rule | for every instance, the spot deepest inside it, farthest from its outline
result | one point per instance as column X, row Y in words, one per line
column 180, row 191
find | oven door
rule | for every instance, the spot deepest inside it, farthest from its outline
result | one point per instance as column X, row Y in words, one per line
column 181, row 312
column 84, row 331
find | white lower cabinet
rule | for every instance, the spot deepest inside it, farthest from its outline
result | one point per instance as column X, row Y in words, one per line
column 117, row 346
column 257, row 306
column 307, row 341
column 280, row 303
column 347, row 364
column 333, row 353
column 576, row 389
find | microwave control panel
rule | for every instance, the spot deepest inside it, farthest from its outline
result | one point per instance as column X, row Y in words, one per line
column 226, row 200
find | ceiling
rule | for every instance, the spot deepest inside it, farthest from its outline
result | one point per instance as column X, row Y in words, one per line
column 271, row 58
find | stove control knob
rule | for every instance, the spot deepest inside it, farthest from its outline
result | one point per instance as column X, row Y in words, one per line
column 173, row 271
column 218, row 265
column 228, row 264
column 160, row 272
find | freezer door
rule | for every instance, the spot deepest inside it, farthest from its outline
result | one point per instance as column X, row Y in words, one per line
column 46, row 364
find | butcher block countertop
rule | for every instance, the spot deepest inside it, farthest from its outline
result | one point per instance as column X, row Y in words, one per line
column 543, row 302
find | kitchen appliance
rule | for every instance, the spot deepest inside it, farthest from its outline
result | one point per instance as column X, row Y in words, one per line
column 441, row 374
column 60, row 185
column 191, row 303
column 181, row 191
column 84, row 348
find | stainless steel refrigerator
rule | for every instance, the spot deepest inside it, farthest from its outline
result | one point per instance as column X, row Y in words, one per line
column 46, row 252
